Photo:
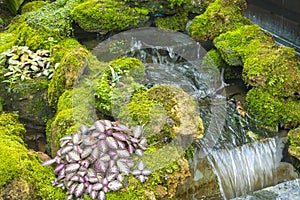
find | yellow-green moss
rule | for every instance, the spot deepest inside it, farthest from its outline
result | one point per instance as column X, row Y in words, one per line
column 32, row 6
column 55, row 17
column 266, row 108
column 269, row 110
column 233, row 44
column 21, row 164
column 276, row 69
column 71, row 56
column 267, row 65
column 7, row 40
column 213, row 59
column 174, row 23
column 75, row 107
column 34, row 38
column 62, row 124
column 10, row 126
column 107, row 16
column 165, row 111
column 219, row 17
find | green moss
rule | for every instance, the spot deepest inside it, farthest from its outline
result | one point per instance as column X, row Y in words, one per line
column 62, row 124
column 275, row 69
column 266, row 108
column 54, row 16
column 112, row 80
column 75, row 107
column 30, row 100
column 213, row 60
column 291, row 116
column 33, row 6
column 107, row 16
column 21, row 164
column 34, row 38
column 265, row 64
column 66, row 101
column 71, row 56
column 174, row 23
column 7, row 40
column 233, row 44
column 165, row 111
column 219, row 17
column 10, row 165
column 10, row 126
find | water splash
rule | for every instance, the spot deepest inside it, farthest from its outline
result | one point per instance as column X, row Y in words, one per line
column 247, row 168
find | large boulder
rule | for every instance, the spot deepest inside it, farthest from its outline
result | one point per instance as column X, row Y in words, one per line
column 106, row 16
column 219, row 17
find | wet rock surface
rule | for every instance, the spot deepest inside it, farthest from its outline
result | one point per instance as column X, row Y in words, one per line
column 285, row 190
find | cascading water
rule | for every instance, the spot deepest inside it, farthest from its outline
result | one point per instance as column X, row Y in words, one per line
column 229, row 147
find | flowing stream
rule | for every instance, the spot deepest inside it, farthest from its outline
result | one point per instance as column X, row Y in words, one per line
column 242, row 156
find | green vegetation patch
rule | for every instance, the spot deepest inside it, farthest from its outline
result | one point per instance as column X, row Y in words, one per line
column 269, row 109
column 34, row 38
column 23, row 166
column 219, row 17
column 71, row 56
column 233, row 44
column 108, row 15
column 33, row 6
column 112, row 81
column 55, row 16
column 174, row 23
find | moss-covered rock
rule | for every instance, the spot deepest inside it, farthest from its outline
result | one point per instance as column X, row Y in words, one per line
column 294, row 146
column 34, row 38
column 219, row 17
column 75, row 107
column 71, row 56
column 33, row 6
column 21, row 173
column 112, row 77
column 176, row 22
column 269, row 110
column 264, row 106
column 273, row 69
column 265, row 64
column 166, row 111
column 276, row 69
column 233, row 44
column 213, row 59
column 55, row 17
column 29, row 99
column 171, row 7
column 105, row 16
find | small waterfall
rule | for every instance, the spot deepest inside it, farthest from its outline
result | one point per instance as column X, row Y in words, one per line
column 247, row 168
column 234, row 162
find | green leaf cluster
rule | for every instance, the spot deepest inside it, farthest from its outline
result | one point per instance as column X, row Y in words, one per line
column 21, row 64
column 112, row 79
